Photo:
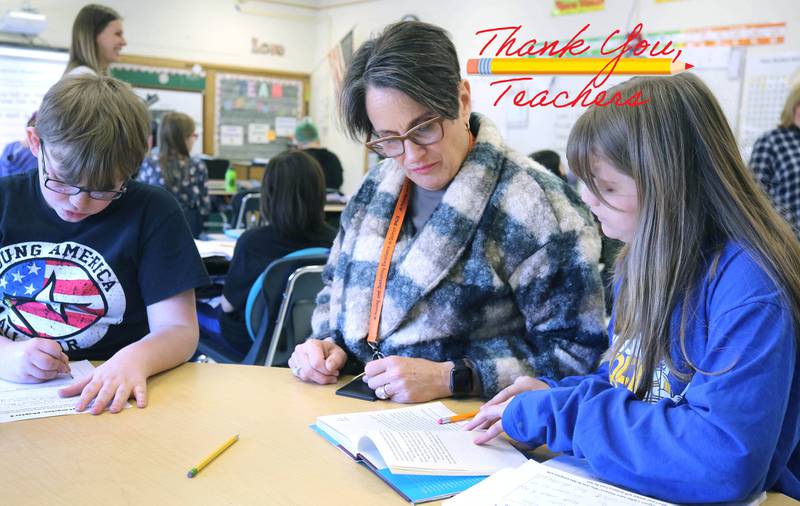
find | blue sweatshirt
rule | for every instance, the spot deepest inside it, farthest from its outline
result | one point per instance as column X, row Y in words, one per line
column 719, row 437
column 16, row 159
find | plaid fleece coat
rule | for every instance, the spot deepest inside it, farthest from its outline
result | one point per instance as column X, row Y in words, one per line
column 504, row 272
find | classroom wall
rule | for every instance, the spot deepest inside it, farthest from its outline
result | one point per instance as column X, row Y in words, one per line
column 213, row 31
column 462, row 18
column 216, row 31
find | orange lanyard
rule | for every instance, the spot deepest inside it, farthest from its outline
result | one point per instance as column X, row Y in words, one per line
column 383, row 265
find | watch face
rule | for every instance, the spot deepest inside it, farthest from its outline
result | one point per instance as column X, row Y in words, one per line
column 460, row 379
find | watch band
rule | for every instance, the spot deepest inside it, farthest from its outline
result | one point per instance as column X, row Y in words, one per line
column 460, row 379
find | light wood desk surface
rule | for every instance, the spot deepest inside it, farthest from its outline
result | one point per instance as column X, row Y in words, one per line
column 142, row 456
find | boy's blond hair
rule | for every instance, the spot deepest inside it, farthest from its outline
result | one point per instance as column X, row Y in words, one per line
column 96, row 128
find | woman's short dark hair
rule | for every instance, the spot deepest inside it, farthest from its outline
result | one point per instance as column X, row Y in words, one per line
column 416, row 58
column 293, row 194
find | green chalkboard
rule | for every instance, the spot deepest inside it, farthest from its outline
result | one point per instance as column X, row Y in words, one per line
column 255, row 116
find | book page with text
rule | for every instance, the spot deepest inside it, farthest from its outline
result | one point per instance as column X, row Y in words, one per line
column 347, row 428
column 450, row 453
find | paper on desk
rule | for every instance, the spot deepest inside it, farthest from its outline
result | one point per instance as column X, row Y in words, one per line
column 23, row 401
column 536, row 484
column 216, row 248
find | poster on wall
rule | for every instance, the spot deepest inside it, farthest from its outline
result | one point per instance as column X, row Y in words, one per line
column 231, row 135
column 258, row 133
column 562, row 7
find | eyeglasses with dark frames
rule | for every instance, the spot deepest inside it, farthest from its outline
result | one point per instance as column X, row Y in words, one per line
column 63, row 188
column 426, row 133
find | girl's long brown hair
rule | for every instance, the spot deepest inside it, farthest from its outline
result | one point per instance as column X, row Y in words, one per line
column 694, row 194
column 173, row 152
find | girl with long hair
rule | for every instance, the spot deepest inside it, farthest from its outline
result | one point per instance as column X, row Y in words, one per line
column 697, row 399
column 293, row 206
column 173, row 168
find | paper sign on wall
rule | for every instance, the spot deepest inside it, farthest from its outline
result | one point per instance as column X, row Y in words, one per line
column 284, row 126
column 258, row 133
column 231, row 135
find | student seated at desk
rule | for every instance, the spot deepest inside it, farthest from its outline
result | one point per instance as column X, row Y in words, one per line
column 292, row 200
column 93, row 265
column 698, row 399
column 176, row 170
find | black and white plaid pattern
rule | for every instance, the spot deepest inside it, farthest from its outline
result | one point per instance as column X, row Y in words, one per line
column 776, row 164
column 504, row 272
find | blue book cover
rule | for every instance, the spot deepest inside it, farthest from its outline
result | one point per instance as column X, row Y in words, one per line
column 415, row 488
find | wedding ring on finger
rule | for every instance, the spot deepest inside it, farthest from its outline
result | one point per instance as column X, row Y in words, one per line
column 296, row 370
column 380, row 392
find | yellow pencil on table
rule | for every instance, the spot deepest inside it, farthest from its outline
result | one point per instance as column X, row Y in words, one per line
column 458, row 418
column 199, row 467
column 592, row 66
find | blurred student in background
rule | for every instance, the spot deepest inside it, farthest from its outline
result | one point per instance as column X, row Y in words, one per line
column 173, row 168
column 17, row 157
column 307, row 139
column 97, row 40
column 292, row 202
column 775, row 161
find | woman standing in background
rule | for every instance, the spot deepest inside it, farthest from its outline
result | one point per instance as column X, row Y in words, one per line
column 176, row 170
column 96, row 40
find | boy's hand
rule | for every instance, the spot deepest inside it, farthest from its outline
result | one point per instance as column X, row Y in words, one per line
column 113, row 382
column 32, row 361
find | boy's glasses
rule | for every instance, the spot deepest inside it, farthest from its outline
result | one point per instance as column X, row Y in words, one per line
column 426, row 133
column 70, row 189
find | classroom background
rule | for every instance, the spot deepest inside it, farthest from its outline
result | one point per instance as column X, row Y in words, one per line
column 248, row 70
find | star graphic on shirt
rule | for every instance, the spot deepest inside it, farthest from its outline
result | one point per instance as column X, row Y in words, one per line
column 45, row 296
column 17, row 276
column 33, row 269
column 3, row 282
column 29, row 289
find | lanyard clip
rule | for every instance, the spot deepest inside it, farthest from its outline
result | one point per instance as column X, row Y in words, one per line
column 376, row 353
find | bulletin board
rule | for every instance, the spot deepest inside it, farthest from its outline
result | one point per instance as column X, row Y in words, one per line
column 255, row 116
column 258, row 107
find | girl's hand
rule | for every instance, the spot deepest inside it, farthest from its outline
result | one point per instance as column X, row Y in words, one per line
column 491, row 417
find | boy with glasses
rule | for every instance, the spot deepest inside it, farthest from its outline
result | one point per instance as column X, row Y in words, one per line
column 93, row 265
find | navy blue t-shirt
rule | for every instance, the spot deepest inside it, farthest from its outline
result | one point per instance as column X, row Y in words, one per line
column 88, row 284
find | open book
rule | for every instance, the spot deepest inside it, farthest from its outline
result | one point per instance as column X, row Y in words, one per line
column 410, row 451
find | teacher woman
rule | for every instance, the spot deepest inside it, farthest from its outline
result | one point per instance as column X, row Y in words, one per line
column 489, row 265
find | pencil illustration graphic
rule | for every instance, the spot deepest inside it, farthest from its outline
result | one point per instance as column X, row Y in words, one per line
column 575, row 66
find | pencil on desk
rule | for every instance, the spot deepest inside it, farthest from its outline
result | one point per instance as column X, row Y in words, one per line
column 199, row 467
column 458, row 418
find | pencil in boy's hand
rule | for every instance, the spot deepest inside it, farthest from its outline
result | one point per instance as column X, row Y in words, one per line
column 199, row 467
column 458, row 418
